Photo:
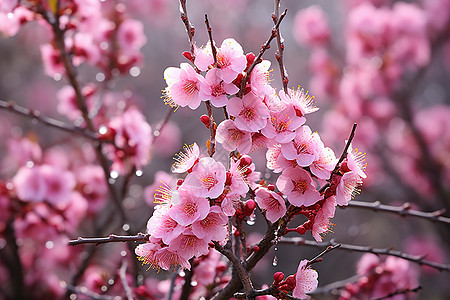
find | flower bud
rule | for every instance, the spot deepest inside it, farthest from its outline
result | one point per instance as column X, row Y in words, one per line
column 301, row 230
column 228, row 180
column 278, row 277
column 249, row 206
column 271, row 187
column 205, row 120
column 188, row 56
column 245, row 161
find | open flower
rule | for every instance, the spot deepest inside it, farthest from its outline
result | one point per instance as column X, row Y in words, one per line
column 233, row 138
column 250, row 112
column 207, row 178
column 298, row 186
column 185, row 161
column 322, row 220
column 282, row 125
column 271, row 202
column 304, row 147
column 183, row 86
column 215, row 89
column 190, row 208
column 302, row 102
column 305, row 280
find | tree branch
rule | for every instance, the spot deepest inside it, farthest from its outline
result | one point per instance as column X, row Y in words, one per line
column 280, row 50
column 418, row 259
column 404, row 210
column 112, row 238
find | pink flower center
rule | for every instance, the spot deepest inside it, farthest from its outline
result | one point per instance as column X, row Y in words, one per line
column 222, row 61
column 190, row 208
column 280, row 126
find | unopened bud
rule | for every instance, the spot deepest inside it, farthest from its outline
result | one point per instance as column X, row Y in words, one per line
column 271, row 187
column 278, row 277
column 228, row 179
column 180, row 182
column 205, row 120
column 249, row 206
column 256, row 248
column 250, row 59
column 188, row 56
column 245, row 161
column 344, row 167
column 301, row 230
column 290, row 281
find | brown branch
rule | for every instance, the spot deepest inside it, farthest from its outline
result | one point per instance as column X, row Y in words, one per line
column 36, row 115
column 404, row 210
column 261, row 52
column 400, row 292
column 318, row 257
column 112, row 238
column 213, row 47
column 280, row 50
column 161, row 125
column 189, row 28
column 243, row 274
column 212, row 129
column 418, row 259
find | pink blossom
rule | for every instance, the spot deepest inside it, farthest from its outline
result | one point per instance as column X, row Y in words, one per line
column 190, row 208
column 272, row 155
column 212, row 227
column 367, row 263
column 84, row 48
column 205, row 272
column 162, row 226
column 215, row 89
column 132, row 140
column 184, row 161
column 271, row 202
column 52, row 60
column 167, row 258
column 300, row 100
column 30, row 185
column 183, row 86
column 92, row 186
column 324, row 164
column 322, row 220
column 230, row 203
column 230, row 59
column 305, row 280
column 11, row 22
column 259, row 79
column 60, row 183
column 207, row 178
column 304, row 148
column 250, row 112
column 233, row 138
column 298, row 186
column 130, row 36
column 356, row 161
column 238, row 178
column 311, row 27
column 67, row 103
column 188, row 245
column 21, row 150
column 282, row 125
column 348, row 188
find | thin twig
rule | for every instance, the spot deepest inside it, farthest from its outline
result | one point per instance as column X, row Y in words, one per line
column 212, row 129
column 280, row 50
column 86, row 292
column 140, row 237
column 404, row 210
column 123, row 279
column 189, row 28
column 261, row 52
column 400, row 292
column 418, row 259
column 159, row 128
column 36, row 115
column 318, row 257
column 213, row 47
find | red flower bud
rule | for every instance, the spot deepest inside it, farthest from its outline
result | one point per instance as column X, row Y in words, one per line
column 278, row 277
column 228, row 180
column 256, row 248
column 205, row 120
column 188, row 56
column 245, row 161
column 271, row 187
column 249, row 206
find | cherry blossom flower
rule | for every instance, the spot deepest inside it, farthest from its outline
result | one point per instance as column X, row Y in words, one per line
column 212, row 227
column 356, row 161
column 130, row 36
column 271, row 202
column 272, row 155
column 300, row 100
column 190, row 208
column 215, row 89
column 298, row 186
column 60, row 183
column 230, row 59
column 132, row 140
column 324, row 164
column 184, row 161
column 229, row 203
column 305, row 280
column 207, row 178
column 30, row 185
column 282, row 125
column 259, row 79
column 304, row 147
column 322, row 220
column 348, row 188
column 311, row 26
column 250, row 112
column 233, row 138
column 160, row 191
column 183, row 86
column 188, row 245
column 166, row 258
column 52, row 60
column 162, row 226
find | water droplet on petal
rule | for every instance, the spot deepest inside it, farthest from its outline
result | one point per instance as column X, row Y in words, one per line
column 252, row 219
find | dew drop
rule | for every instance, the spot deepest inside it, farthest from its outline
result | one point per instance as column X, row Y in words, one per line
column 194, row 283
column 181, row 273
column 114, row 174
column 123, row 253
column 252, row 219
column 111, row 281
column 275, row 261
column 126, row 227
column 139, row 173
